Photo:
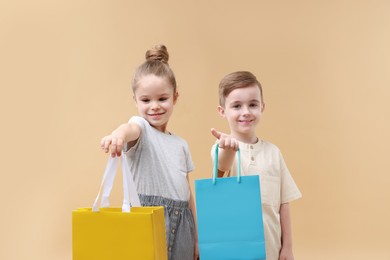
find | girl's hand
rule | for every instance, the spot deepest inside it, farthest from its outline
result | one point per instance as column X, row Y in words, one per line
column 196, row 251
column 113, row 144
column 226, row 141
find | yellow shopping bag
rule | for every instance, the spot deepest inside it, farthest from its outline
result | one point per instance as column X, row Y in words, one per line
column 103, row 233
column 115, row 235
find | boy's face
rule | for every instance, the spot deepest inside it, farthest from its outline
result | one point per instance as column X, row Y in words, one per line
column 243, row 110
column 155, row 99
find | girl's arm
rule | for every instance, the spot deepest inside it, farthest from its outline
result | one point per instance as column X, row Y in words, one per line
column 124, row 134
column 193, row 209
column 285, row 221
column 229, row 147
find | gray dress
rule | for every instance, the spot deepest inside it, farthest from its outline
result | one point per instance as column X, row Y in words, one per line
column 160, row 163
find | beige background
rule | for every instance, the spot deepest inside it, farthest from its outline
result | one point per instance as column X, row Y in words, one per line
column 324, row 65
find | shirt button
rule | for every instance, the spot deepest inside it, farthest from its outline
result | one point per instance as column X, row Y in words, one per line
column 170, row 248
column 176, row 212
column 252, row 158
column 251, row 146
column 173, row 230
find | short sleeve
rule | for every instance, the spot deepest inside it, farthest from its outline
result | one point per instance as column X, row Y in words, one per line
column 139, row 121
column 190, row 163
column 289, row 189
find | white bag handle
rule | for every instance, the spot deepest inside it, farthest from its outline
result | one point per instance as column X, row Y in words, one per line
column 130, row 195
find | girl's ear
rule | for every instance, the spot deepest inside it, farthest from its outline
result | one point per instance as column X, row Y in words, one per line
column 135, row 101
column 262, row 107
column 221, row 111
column 175, row 96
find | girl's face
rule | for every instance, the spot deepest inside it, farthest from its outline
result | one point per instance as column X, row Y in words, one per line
column 243, row 110
column 155, row 99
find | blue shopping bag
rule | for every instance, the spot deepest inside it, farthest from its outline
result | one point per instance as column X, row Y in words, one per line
column 229, row 215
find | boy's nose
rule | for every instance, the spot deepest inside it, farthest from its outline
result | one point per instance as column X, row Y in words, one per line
column 245, row 110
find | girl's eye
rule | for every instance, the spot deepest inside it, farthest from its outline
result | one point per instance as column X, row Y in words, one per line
column 163, row 99
column 236, row 106
column 145, row 100
column 253, row 105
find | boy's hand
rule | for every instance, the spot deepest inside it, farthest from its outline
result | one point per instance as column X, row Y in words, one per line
column 113, row 144
column 286, row 254
column 226, row 141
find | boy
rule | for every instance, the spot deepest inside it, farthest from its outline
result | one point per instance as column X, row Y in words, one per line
column 241, row 104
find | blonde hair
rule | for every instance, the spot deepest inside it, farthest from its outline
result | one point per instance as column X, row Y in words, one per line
column 235, row 80
column 156, row 64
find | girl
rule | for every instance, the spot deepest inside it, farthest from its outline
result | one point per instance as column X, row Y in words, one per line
column 159, row 160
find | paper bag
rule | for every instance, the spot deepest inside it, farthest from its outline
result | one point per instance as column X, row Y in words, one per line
column 229, row 215
column 132, row 232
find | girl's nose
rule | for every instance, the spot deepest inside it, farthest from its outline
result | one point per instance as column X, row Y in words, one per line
column 155, row 106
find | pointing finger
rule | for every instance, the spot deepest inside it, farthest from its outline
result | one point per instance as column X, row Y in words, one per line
column 215, row 133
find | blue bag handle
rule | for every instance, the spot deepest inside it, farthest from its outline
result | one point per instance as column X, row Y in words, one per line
column 215, row 170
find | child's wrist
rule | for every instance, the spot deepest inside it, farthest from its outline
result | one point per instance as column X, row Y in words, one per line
column 287, row 246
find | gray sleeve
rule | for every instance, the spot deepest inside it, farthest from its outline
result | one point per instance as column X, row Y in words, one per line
column 190, row 163
column 141, row 122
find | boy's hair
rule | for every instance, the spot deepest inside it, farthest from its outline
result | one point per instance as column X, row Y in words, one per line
column 156, row 64
column 235, row 80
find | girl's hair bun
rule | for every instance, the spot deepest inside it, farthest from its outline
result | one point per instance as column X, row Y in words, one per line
column 158, row 52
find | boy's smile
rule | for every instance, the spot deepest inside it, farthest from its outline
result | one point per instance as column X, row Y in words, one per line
column 245, row 122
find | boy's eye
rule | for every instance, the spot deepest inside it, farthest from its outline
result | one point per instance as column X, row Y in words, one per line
column 236, row 106
column 254, row 105
column 145, row 100
column 163, row 99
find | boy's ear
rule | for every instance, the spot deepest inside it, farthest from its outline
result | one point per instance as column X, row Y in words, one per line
column 221, row 111
column 262, row 107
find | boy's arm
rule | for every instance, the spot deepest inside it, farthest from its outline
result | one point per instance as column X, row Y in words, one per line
column 124, row 134
column 229, row 147
column 285, row 222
